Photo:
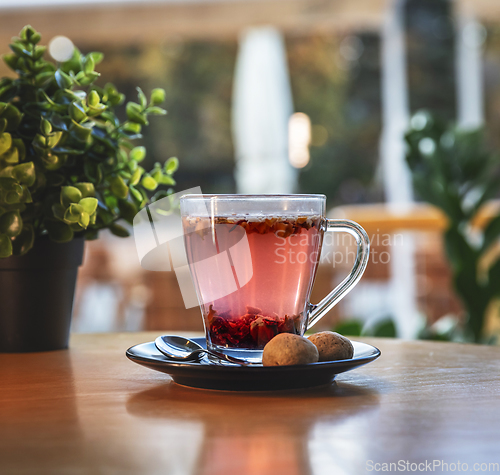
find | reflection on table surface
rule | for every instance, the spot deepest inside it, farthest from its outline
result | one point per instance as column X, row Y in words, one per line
column 90, row 410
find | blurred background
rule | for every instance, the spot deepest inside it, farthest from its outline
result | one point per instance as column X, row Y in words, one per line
column 299, row 96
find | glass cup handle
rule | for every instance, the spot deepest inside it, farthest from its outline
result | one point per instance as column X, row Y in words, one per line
column 316, row 312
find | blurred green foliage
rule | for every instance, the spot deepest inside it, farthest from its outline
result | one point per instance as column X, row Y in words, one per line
column 383, row 328
column 453, row 170
column 446, row 328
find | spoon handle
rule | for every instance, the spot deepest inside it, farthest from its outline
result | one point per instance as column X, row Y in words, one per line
column 229, row 358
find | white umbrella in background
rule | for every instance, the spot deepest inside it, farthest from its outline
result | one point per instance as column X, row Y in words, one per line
column 262, row 106
column 397, row 177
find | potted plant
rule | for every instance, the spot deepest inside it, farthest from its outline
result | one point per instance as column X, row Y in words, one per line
column 68, row 169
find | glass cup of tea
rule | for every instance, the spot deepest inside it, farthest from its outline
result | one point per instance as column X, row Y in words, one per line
column 253, row 260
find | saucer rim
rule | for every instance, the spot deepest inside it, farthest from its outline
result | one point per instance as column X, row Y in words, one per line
column 161, row 359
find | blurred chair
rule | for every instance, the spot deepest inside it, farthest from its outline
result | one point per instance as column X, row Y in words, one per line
column 435, row 295
column 110, row 295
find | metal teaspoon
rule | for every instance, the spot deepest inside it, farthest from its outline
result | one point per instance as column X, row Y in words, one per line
column 180, row 348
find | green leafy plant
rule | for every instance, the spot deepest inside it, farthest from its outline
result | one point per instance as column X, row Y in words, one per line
column 384, row 328
column 68, row 165
column 452, row 170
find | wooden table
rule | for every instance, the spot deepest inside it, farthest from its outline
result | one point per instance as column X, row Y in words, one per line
column 91, row 411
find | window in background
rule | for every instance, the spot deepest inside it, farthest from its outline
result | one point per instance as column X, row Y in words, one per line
column 430, row 41
column 335, row 81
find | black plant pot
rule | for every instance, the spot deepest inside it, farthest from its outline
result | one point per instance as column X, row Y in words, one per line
column 36, row 296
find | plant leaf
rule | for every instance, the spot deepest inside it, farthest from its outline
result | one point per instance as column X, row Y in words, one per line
column 138, row 154
column 69, row 195
column 149, row 183
column 25, row 173
column 53, row 139
column 491, row 232
column 81, row 132
column 89, row 205
column 13, row 116
column 89, row 78
column 73, row 213
column 86, row 189
column 93, row 98
column 156, row 111
column 171, row 165
column 84, row 219
column 10, row 60
column 68, row 151
column 157, row 96
column 118, row 187
column 142, row 97
column 21, row 149
column 136, row 194
column 39, row 52
column 77, row 112
column 118, row 230
column 157, row 175
column 132, row 127
column 167, row 180
column 11, row 223
column 88, row 64
column 5, row 246
column 63, row 80
column 460, row 254
column 45, row 127
column 135, row 114
column 494, row 278
column 96, row 56
column 58, row 210
column 59, row 231
column 111, row 201
column 136, row 176
column 5, row 142
column 16, row 193
column 11, row 156
column 127, row 210
column 24, row 242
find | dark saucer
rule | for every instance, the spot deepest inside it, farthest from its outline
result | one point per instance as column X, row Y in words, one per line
column 206, row 374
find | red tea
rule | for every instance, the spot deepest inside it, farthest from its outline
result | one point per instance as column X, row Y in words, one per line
column 252, row 275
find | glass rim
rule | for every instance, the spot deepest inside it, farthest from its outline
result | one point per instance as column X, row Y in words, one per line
column 290, row 196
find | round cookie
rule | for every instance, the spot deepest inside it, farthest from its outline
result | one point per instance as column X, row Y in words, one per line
column 288, row 349
column 332, row 346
